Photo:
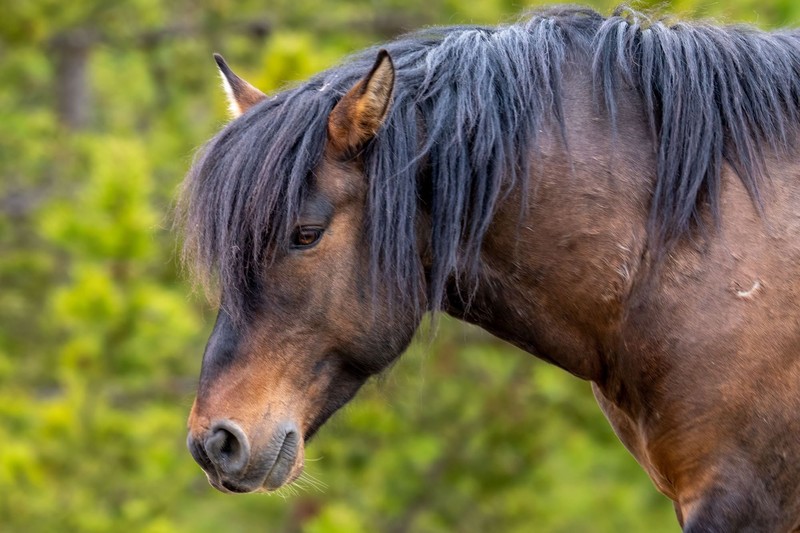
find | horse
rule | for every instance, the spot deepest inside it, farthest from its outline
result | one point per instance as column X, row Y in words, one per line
column 616, row 195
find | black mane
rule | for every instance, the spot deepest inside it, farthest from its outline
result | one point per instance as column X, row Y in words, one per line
column 711, row 94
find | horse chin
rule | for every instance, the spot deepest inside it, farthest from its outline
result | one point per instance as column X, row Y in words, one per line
column 296, row 472
column 269, row 485
column 229, row 488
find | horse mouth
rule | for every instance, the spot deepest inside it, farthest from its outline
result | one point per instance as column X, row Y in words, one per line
column 278, row 463
column 280, row 471
column 284, row 468
column 227, row 487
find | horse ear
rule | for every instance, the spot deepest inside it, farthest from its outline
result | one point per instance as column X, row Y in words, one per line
column 241, row 95
column 357, row 117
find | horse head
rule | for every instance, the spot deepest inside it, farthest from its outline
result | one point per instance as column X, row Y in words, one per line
column 311, row 332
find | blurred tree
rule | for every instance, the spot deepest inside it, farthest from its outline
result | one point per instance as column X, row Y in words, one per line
column 102, row 104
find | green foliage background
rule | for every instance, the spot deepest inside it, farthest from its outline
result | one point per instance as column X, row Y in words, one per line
column 100, row 340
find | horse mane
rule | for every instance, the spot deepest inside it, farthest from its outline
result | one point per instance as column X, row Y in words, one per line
column 468, row 106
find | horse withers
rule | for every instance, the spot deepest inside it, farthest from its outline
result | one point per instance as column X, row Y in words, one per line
column 617, row 196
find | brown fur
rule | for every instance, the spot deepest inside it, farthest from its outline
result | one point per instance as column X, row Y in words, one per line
column 701, row 383
column 695, row 363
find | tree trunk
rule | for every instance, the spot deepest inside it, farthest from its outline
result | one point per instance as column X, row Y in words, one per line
column 71, row 51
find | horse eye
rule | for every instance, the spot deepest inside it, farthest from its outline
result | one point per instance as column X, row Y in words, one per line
column 305, row 237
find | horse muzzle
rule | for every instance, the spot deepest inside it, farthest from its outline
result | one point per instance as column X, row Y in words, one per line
column 234, row 464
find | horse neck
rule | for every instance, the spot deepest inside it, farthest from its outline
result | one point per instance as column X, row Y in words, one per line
column 557, row 274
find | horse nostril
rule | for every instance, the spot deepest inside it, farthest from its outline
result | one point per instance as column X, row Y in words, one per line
column 227, row 447
column 198, row 452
